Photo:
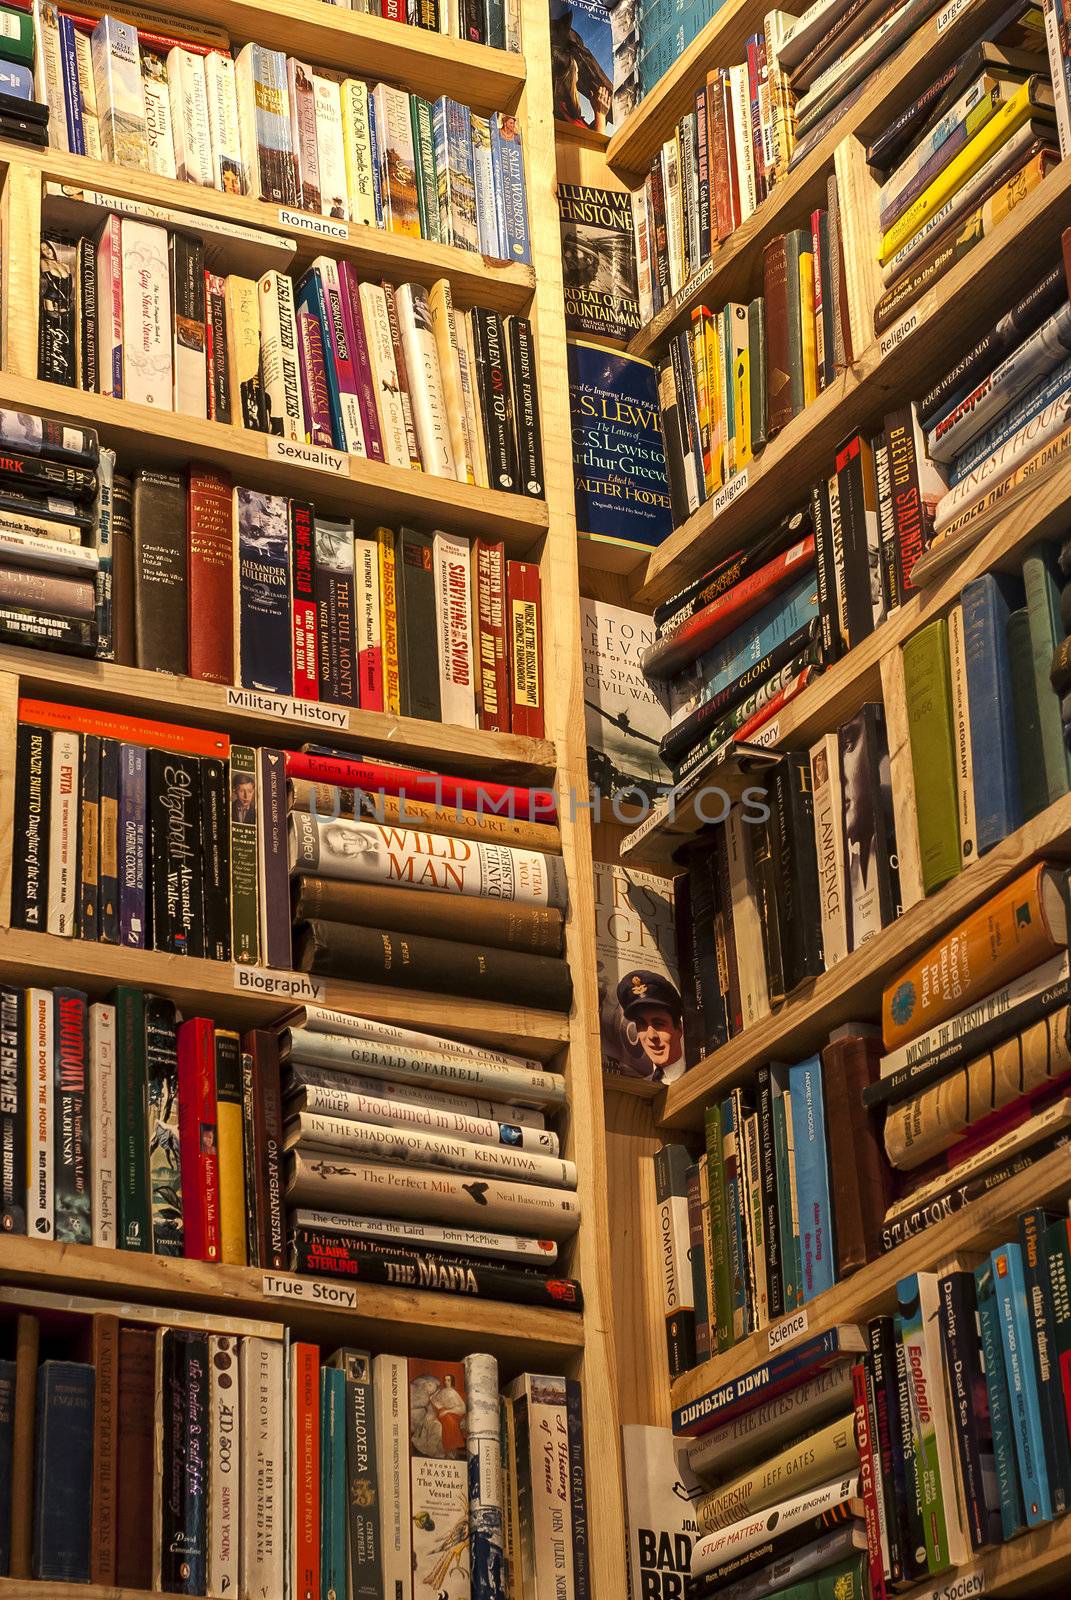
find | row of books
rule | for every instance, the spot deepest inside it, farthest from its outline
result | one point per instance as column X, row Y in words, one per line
column 279, row 130
column 158, row 836
column 489, row 23
column 186, row 1460
column 388, row 372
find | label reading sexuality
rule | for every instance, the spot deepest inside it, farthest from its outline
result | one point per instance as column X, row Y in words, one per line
column 317, row 457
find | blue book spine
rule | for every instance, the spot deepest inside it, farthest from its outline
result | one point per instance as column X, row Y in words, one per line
column 63, row 1472
column 133, row 779
column 1032, row 1225
column 16, row 80
column 794, row 608
column 262, row 558
column 72, row 94
column 788, row 1368
column 1036, row 398
column 812, row 1176
column 377, row 180
column 730, row 1138
column 333, row 1496
column 987, row 603
column 7, row 1434
column 508, row 162
column 310, row 298
column 1009, row 1284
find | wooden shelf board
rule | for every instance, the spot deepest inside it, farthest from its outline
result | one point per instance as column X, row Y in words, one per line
column 505, row 756
column 852, row 989
column 373, row 491
column 200, row 987
column 953, row 312
column 604, row 555
column 474, row 279
column 402, row 1321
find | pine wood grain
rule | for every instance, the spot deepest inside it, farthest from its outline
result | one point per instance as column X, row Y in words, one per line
column 20, row 266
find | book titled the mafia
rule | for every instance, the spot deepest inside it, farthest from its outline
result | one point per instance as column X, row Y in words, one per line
column 625, row 716
column 660, row 1494
column 619, row 459
column 598, row 262
column 639, row 993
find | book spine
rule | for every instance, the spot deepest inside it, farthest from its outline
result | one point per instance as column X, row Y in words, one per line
column 71, row 1131
column 162, row 1127
column 32, row 811
column 224, row 1454
column 970, row 1424
column 175, row 827
column 303, row 601
column 279, row 371
column 89, row 838
column 1008, row 1486
column 223, row 126
column 492, row 687
column 391, row 1415
column 63, row 864
column 1016, row 1341
column 525, row 407
column 1032, row 1224
column 14, row 1110
column 524, row 622
column 262, row 1477
column 245, row 941
column 132, row 1140
column 198, row 1141
column 453, row 618
column 273, row 886
column 40, row 1124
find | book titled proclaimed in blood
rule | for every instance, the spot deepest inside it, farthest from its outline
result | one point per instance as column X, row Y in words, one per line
column 639, row 990
column 598, row 262
column 625, row 716
column 619, row 458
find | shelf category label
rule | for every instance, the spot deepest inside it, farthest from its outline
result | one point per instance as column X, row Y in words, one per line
column 282, row 705
column 316, row 1290
column 908, row 323
column 728, row 493
column 287, row 985
column 789, row 1328
column 949, row 14
column 308, row 224
column 316, row 457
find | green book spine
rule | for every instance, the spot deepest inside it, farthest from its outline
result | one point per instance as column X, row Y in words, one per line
column 1033, row 790
column 756, row 339
column 245, row 934
column 784, row 1205
column 928, row 691
column 923, row 1402
column 427, row 181
column 131, row 1136
column 848, row 1580
column 797, row 244
column 333, row 1486
column 1046, row 632
column 719, row 1240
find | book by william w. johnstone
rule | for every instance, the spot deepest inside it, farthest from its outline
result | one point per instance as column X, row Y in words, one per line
column 639, row 990
column 598, row 262
column 619, row 459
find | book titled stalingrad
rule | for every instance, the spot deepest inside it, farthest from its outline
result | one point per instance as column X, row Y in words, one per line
column 598, row 262
column 619, row 460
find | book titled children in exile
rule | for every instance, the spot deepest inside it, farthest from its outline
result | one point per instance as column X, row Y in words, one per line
column 625, row 716
column 639, row 989
column 619, row 460
column 598, row 262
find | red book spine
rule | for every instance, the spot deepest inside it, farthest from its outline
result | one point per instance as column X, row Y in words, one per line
column 864, row 1437
column 493, row 668
column 730, row 148
column 362, row 361
column 303, row 601
column 305, row 1379
column 525, row 623
column 469, row 794
column 764, row 713
column 198, row 1139
column 210, row 558
column 392, row 10
column 753, row 73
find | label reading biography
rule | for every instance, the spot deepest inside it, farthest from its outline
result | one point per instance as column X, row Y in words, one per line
column 316, row 457
column 789, row 1328
column 282, row 705
column 291, row 985
column 315, row 1290
column 728, row 493
column 321, row 225
column 907, row 324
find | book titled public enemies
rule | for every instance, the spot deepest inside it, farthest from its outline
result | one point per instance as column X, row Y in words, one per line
column 619, row 460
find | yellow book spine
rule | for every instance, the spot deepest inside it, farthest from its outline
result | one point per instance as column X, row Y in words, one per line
column 742, row 407
column 388, row 617
column 231, row 1147
column 975, row 153
column 810, row 343
column 702, row 389
column 717, row 409
column 243, row 348
column 357, row 149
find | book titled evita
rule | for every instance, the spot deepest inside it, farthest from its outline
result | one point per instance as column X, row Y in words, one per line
column 619, row 458
column 640, row 1012
column 598, row 262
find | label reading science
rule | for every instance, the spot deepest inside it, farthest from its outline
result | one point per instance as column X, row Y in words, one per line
column 293, row 985
column 321, row 225
column 314, row 1289
column 281, row 705
column 728, row 493
column 789, row 1328
column 316, row 457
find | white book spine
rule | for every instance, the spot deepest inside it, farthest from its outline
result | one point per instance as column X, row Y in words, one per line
column 745, row 153
column 304, row 134
column 425, row 381
column 1053, row 13
column 158, row 133
column 63, row 836
column 351, row 411
column 40, row 1222
column 345, row 1094
column 469, row 1240
column 717, row 1548
column 120, row 95
column 224, row 1466
column 642, row 237
column 747, row 926
column 279, row 371
column 453, row 626
column 147, row 372
column 189, row 357
column 397, row 158
column 102, row 1146
column 223, row 122
column 245, row 92
column 46, row 551
column 390, row 1379
column 189, row 117
column 261, row 1484
column 48, row 71
column 384, row 375
column 466, row 365
column 357, row 146
column 1039, row 354
column 549, row 1476
column 406, row 1145
column 330, row 149
column 1034, row 433
column 483, row 168
column 409, row 1065
column 87, row 90
column 317, row 1020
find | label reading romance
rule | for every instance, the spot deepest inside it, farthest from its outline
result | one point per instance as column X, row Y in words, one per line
column 321, row 225
column 282, row 705
column 316, row 457
column 292, row 985
column 789, row 1328
column 907, row 324
column 313, row 1289
column 728, row 493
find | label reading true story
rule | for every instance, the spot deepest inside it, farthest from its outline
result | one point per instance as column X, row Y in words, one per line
column 789, row 1328
column 315, row 1290
column 282, row 705
column 317, row 457
column 291, row 985
column 321, row 225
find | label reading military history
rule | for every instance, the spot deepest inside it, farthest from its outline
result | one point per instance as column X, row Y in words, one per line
column 321, row 225
column 315, row 1290
column 294, row 985
column 728, row 493
column 789, row 1328
column 316, row 457
column 281, row 705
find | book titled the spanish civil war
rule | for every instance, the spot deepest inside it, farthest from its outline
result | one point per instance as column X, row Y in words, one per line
column 626, row 717
column 619, row 460
column 598, row 262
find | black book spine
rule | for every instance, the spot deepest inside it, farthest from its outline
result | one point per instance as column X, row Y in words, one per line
column 881, row 1445
column 89, row 839
column 771, row 1230
column 970, row 1405
column 70, row 1013
column 161, row 1099
column 687, row 390
column 366, row 1555
column 249, row 1150
column 903, row 1442
column 328, row 684
column 337, row 1255
column 48, row 477
column 691, row 994
column 578, row 1490
column 63, row 1472
column 218, row 374
column 88, row 325
column 475, row 31
column 215, row 859
column 418, row 660
column 274, row 885
column 1032, row 1225
column 12, row 1112
column 881, row 787
column 526, row 408
column 762, row 835
column 713, row 1008
column 797, row 879
column 881, row 1357
column 33, row 787
column 57, row 354
column 184, row 1375
column 854, row 537
column 342, row 612
column 907, row 1224
column 672, row 435
column 21, row 625
column 108, row 883
column 493, row 375
column 175, row 828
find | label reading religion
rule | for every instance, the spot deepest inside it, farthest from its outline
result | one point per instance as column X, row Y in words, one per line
column 619, row 461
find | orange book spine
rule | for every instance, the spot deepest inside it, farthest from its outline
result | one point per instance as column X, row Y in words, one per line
column 132, row 730
column 305, row 1436
column 525, row 623
column 388, row 617
column 1013, row 932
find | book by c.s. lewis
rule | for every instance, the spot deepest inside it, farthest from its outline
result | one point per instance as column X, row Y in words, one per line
column 619, row 459
column 660, row 1494
column 598, row 261
column 582, row 63
column 639, row 990
column 625, row 717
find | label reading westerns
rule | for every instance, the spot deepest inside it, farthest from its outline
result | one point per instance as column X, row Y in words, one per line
column 728, row 493
column 290, row 985
column 789, row 1328
column 313, row 1289
column 316, row 457
column 321, row 225
column 282, row 705
column 907, row 324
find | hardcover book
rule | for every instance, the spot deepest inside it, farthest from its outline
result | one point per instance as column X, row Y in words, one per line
column 640, row 1012
column 626, row 717
column 619, row 459
column 582, row 63
column 660, row 1494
